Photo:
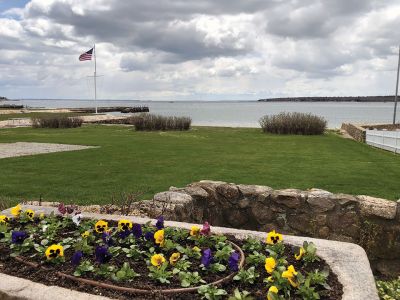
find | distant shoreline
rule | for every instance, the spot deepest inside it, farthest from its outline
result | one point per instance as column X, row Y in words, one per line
column 331, row 99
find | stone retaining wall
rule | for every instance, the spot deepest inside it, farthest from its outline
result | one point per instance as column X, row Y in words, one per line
column 372, row 223
column 356, row 132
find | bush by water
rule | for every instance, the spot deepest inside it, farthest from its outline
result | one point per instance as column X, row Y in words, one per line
column 153, row 122
column 56, row 122
column 293, row 123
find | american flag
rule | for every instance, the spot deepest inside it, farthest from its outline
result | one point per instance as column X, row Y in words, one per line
column 86, row 56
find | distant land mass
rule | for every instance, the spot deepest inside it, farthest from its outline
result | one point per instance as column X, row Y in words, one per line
column 3, row 98
column 332, row 99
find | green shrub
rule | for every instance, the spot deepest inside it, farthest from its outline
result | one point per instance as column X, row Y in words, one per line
column 56, row 122
column 293, row 123
column 156, row 122
column 389, row 290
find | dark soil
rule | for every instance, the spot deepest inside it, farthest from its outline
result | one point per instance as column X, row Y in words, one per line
column 11, row 266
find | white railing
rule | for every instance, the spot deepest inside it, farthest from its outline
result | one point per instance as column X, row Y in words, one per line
column 384, row 139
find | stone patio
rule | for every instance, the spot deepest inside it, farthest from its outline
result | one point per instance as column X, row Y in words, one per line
column 26, row 148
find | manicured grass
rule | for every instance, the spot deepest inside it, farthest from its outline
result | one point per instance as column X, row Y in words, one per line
column 37, row 114
column 129, row 161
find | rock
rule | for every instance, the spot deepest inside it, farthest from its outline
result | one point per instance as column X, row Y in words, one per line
column 236, row 217
column 320, row 203
column 388, row 267
column 290, row 197
column 264, row 198
column 229, row 192
column 212, row 182
column 398, row 210
column 281, row 221
column 319, row 193
column 341, row 238
column 300, row 222
column 173, row 197
column 320, row 220
column 261, row 212
column 371, row 206
column 382, row 241
column 347, row 223
column 244, row 203
column 253, row 190
column 269, row 227
column 323, row 232
column 344, row 199
column 196, row 192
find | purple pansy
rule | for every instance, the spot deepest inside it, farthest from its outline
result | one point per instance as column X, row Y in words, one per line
column 233, row 262
column 160, row 223
column 149, row 236
column 137, row 230
column 107, row 239
column 102, row 254
column 206, row 258
column 18, row 237
column 124, row 234
column 76, row 258
column 206, row 229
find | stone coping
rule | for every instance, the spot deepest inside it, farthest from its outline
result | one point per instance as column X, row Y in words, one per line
column 348, row 261
column 15, row 288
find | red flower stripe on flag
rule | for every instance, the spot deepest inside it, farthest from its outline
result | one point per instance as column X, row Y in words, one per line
column 86, row 56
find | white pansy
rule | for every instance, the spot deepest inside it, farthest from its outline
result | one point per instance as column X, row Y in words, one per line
column 77, row 219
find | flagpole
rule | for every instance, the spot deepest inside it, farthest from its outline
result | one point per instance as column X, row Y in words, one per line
column 95, row 90
column 397, row 89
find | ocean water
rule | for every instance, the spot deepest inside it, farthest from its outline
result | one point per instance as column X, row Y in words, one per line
column 242, row 113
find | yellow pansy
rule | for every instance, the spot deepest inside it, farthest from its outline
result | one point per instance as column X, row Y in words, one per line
column 272, row 290
column 157, row 260
column 274, row 238
column 195, row 231
column 124, row 225
column 159, row 237
column 30, row 214
column 41, row 216
column 4, row 219
column 174, row 258
column 101, row 226
column 85, row 234
column 54, row 251
column 300, row 255
column 290, row 275
column 16, row 210
column 270, row 264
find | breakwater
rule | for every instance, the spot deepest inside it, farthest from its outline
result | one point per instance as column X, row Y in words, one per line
column 122, row 109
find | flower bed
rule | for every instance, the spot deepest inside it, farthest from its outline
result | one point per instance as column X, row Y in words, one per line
column 122, row 259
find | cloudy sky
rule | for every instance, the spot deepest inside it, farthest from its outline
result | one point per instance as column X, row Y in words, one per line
column 199, row 49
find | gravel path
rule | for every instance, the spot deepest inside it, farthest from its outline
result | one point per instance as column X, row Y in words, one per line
column 24, row 148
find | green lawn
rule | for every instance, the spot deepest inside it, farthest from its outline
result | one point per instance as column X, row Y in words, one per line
column 129, row 161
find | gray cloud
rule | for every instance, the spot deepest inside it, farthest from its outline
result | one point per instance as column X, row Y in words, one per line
column 184, row 47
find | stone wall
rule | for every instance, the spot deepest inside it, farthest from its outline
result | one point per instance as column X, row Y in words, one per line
column 382, row 126
column 370, row 222
column 356, row 132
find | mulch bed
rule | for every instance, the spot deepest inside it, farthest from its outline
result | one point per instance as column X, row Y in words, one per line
column 11, row 266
